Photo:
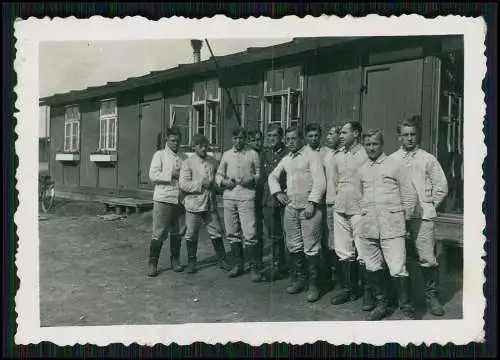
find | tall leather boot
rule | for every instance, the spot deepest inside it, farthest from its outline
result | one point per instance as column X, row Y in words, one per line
column 256, row 265
column 366, row 287
column 337, row 276
column 392, row 291
column 220, row 253
column 349, row 289
column 431, row 283
column 175, row 253
column 327, row 273
column 313, row 269
column 154, row 254
column 297, row 280
column 278, row 266
column 192, row 249
column 403, row 285
column 378, row 282
column 239, row 263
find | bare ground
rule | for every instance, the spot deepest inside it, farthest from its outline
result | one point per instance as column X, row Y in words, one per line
column 93, row 272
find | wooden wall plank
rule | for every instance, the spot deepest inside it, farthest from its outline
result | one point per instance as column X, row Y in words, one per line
column 89, row 141
column 332, row 97
column 128, row 129
column 56, row 143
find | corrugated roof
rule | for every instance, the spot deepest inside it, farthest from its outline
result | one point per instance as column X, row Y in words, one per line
column 250, row 55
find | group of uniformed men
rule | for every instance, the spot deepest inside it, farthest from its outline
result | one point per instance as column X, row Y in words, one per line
column 347, row 205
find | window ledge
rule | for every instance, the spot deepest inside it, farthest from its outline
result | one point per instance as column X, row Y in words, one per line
column 103, row 157
column 67, row 157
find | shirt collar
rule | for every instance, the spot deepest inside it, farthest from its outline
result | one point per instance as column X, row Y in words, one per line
column 353, row 149
column 243, row 150
column 410, row 153
column 379, row 160
column 299, row 152
column 318, row 149
column 169, row 151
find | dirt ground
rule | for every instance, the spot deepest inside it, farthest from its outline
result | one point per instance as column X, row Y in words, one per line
column 93, row 272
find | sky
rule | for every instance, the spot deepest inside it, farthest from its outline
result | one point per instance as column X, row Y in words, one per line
column 74, row 65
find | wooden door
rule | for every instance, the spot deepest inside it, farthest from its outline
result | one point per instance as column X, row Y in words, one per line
column 150, row 126
column 391, row 93
column 181, row 116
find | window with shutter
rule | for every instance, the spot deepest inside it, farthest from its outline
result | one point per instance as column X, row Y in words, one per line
column 72, row 129
column 108, row 119
column 283, row 97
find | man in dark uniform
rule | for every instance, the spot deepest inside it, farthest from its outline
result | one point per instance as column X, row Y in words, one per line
column 256, row 142
column 272, row 210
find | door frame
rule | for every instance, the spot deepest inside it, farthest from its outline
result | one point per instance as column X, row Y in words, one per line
column 144, row 185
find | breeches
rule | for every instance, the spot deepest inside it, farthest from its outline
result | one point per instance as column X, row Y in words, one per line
column 303, row 234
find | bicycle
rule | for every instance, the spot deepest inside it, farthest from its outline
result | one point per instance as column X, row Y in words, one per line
column 46, row 193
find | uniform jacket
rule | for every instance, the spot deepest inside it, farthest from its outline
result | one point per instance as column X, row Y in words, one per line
column 305, row 178
column 238, row 165
column 428, row 179
column 163, row 172
column 270, row 159
column 331, row 176
column 347, row 162
column 387, row 199
column 193, row 172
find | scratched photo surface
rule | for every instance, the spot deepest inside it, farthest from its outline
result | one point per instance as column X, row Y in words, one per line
column 290, row 182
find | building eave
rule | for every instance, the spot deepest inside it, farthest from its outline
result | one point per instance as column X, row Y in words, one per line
column 295, row 47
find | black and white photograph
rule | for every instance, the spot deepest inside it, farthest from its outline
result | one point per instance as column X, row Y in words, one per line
column 258, row 186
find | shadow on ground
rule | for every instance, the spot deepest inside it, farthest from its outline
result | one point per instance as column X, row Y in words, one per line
column 93, row 272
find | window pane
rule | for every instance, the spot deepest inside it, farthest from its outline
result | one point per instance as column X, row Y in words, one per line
column 67, row 137
column 112, row 134
column 450, row 133
column 201, row 121
column 294, row 107
column 213, row 89
column 213, row 135
column 76, row 144
column 108, row 107
column 102, row 136
column 276, row 110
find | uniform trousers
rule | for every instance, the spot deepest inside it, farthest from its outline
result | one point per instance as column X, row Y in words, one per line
column 346, row 234
column 210, row 218
column 330, row 226
column 240, row 222
column 168, row 218
column 303, row 235
column 377, row 253
column 422, row 238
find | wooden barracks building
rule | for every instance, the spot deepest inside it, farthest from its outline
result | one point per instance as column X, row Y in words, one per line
column 102, row 138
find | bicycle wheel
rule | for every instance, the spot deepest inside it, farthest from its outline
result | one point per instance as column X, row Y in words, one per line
column 48, row 198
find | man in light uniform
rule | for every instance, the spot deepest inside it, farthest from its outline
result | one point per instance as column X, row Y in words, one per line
column 347, row 215
column 306, row 183
column 431, row 186
column 168, row 213
column 313, row 139
column 387, row 201
column 238, row 174
column 197, row 181
column 332, row 148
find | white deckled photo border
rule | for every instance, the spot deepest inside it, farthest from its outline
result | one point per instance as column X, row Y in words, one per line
column 29, row 33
